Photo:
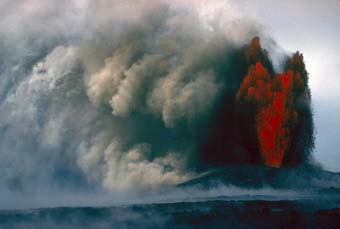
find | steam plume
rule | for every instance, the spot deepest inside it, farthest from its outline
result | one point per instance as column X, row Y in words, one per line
column 123, row 95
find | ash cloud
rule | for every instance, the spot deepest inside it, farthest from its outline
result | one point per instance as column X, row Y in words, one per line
column 113, row 95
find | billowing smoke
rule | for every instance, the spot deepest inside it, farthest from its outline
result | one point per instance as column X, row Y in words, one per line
column 126, row 95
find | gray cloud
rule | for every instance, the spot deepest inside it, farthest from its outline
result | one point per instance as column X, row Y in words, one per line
column 91, row 95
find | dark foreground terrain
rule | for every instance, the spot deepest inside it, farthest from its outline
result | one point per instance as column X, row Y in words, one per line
column 305, row 197
column 219, row 213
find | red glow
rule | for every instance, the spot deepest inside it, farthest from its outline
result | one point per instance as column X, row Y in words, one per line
column 275, row 117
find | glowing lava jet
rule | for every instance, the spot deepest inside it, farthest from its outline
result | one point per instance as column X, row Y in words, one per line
column 273, row 98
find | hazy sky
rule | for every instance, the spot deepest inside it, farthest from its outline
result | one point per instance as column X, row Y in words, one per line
column 312, row 27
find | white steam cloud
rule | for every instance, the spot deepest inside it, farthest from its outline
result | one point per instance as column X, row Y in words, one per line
column 90, row 92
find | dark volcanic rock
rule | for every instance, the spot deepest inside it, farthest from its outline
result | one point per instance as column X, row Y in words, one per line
column 301, row 178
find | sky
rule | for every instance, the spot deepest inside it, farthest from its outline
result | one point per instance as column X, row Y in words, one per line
column 313, row 28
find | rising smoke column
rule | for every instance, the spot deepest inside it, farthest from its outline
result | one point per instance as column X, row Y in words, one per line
column 120, row 99
column 272, row 103
column 135, row 94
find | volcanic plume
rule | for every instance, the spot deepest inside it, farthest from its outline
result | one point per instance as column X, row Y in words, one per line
column 123, row 102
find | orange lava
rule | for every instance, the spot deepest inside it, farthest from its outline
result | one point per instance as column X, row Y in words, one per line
column 275, row 117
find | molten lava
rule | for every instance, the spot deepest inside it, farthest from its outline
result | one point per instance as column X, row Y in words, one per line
column 273, row 97
column 262, row 118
